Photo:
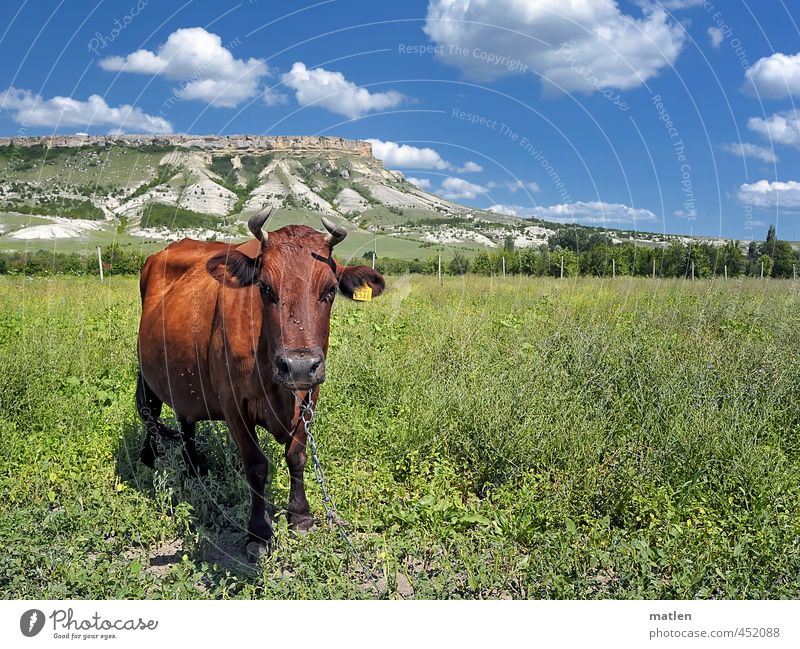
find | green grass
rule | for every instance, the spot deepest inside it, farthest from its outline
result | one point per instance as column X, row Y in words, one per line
column 487, row 438
column 113, row 166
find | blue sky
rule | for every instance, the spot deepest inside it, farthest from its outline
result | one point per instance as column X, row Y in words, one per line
column 675, row 116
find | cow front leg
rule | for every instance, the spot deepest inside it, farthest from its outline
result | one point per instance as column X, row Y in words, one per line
column 259, row 529
column 298, row 513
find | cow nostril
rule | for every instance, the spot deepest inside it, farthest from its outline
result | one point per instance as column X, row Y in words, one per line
column 283, row 365
column 315, row 366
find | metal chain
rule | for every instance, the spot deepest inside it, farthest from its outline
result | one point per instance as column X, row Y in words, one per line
column 331, row 514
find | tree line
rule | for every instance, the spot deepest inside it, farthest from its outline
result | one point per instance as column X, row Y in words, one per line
column 574, row 252
column 117, row 260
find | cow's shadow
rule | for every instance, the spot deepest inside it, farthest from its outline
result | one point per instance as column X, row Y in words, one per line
column 213, row 511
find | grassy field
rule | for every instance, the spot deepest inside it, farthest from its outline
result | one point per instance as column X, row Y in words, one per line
column 487, row 438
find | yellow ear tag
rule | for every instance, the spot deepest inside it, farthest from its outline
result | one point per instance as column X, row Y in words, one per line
column 363, row 293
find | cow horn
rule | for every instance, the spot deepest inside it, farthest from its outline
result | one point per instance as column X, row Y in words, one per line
column 256, row 223
column 336, row 233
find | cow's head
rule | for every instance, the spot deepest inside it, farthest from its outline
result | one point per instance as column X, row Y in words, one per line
column 298, row 279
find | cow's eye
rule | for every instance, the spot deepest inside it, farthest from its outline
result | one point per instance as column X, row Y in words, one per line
column 328, row 295
column 266, row 291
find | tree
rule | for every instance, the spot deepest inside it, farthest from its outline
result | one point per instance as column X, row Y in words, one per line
column 459, row 264
column 570, row 262
column 783, row 259
column 771, row 235
column 765, row 262
column 675, row 260
column 753, row 267
column 732, row 258
column 698, row 253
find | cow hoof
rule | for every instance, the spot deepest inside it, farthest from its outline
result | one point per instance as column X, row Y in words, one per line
column 255, row 550
column 298, row 530
column 300, row 523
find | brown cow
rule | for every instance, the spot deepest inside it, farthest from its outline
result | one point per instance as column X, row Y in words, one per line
column 240, row 333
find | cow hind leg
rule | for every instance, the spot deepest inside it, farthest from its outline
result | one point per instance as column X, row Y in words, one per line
column 149, row 406
column 196, row 463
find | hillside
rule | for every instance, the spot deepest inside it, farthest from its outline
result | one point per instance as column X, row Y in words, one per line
column 77, row 191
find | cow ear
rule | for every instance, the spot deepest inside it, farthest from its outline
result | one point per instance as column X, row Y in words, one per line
column 233, row 268
column 353, row 277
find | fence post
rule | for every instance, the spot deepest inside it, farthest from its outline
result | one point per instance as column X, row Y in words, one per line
column 562, row 266
column 654, row 267
column 762, row 270
column 692, row 269
column 440, row 269
column 504, row 265
column 100, row 262
column 613, row 268
column 373, row 260
column 726, row 271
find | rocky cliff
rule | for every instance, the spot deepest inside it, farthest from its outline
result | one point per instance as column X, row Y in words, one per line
column 210, row 143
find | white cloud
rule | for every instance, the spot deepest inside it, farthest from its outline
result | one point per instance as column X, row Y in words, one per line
column 715, row 36
column 272, row 97
column 680, row 4
column 208, row 71
column 34, row 110
column 774, row 76
column 470, row 167
column 421, row 183
column 750, row 150
column 766, row 194
column 783, row 128
column 457, row 188
column 406, row 156
column 589, row 213
column 579, row 45
column 320, row 87
column 515, row 185
column 509, row 210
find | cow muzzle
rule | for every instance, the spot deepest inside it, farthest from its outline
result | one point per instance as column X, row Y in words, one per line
column 300, row 369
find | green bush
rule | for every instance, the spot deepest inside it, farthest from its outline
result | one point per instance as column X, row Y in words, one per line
column 160, row 215
column 69, row 208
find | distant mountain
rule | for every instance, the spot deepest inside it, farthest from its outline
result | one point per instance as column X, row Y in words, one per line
column 81, row 190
